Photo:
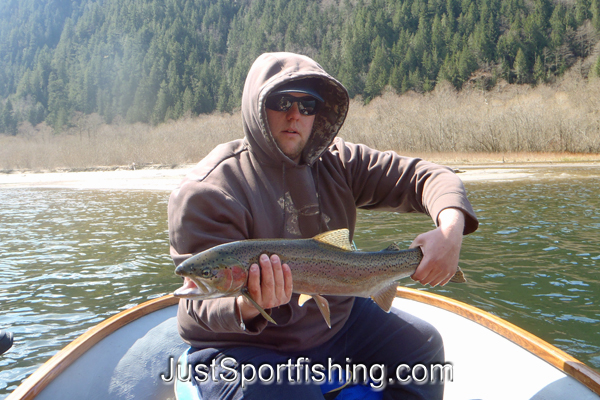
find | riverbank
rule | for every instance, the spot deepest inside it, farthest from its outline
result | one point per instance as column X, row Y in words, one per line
column 167, row 178
column 511, row 123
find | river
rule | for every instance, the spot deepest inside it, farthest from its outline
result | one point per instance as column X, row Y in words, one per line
column 71, row 258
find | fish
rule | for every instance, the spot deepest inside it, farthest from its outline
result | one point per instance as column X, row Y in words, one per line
column 325, row 265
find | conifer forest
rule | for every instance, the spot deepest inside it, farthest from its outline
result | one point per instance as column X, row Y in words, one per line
column 153, row 60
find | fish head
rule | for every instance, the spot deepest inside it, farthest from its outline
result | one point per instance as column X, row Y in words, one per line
column 211, row 277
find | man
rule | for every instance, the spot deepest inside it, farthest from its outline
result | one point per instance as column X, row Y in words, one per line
column 291, row 178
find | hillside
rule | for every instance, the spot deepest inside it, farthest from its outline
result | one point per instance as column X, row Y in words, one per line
column 153, row 60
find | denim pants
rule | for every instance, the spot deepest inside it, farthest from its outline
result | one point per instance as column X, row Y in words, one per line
column 392, row 351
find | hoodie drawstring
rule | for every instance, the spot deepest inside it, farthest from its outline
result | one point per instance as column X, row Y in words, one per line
column 284, row 199
column 319, row 200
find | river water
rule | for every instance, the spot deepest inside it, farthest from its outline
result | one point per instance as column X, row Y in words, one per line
column 71, row 258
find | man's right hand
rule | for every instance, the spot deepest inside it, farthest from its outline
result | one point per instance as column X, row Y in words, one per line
column 270, row 285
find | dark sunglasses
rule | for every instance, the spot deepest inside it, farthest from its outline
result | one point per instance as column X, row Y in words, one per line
column 306, row 105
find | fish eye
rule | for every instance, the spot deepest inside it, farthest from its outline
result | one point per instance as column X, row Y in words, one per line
column 206, row 273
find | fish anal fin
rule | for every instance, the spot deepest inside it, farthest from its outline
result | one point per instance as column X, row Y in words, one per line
column 322, row 303
column 261, row 310
column 459, row 276
column 339, row 238
column 385, row 297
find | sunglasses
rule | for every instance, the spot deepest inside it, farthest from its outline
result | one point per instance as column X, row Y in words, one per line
column 306, row 105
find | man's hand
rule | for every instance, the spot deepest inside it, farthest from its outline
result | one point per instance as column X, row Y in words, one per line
column 270, row 285
column 441, row 249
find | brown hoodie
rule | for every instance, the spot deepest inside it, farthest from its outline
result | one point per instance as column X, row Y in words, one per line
column 248, row 189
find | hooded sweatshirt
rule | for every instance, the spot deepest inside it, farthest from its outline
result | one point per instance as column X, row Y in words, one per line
column 249, row 189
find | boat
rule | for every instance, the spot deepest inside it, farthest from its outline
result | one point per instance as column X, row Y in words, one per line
column 129, row 356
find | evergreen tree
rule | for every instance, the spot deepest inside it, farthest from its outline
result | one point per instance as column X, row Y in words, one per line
column 539, row 71
column 520, row 67
column 161, row 106
column 189, row 104
column 595, row 11
column 8, row 121
column 378, row 75
column 111, row 57
column 58, row 108
column 558, row 25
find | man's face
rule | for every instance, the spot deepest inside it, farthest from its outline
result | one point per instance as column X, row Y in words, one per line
column 290, row 129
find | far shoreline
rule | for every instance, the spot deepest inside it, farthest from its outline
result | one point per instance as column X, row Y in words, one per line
column 167, row 177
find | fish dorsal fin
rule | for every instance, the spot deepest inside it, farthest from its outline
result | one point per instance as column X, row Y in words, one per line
column 458, row 277
column 393, row 247
column 339, row 238
column 322, row 303
column 385, row 297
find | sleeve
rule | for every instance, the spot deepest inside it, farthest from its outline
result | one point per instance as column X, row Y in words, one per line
column 202, row 216
column 385, row 180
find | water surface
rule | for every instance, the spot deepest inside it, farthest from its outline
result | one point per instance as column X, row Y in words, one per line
column 71, row 258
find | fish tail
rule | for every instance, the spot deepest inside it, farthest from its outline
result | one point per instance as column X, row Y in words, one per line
column 459, row 276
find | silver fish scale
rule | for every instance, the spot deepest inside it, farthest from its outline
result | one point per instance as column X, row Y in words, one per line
column 317, row 268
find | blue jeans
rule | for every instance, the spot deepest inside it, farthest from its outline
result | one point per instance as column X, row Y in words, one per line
column 372, row 344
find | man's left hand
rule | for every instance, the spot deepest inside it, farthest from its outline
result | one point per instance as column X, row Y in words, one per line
column 441, row 249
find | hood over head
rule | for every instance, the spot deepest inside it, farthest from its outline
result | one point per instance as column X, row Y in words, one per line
column 272, row 71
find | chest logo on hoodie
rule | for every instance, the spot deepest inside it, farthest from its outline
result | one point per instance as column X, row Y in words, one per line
column 292, row 214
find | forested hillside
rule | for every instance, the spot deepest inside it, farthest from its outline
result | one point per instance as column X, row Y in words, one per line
column 152, row 60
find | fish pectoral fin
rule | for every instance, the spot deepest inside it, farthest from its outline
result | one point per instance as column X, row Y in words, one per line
column 339, row 238
column 255, row 304
column 459, row 276
column 385, row 297
column 322, row 303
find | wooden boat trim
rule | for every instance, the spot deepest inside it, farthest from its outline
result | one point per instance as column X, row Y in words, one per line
column 37, row 381
column 551, row 354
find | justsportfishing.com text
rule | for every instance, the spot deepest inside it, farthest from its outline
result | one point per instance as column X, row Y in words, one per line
column 301, row 370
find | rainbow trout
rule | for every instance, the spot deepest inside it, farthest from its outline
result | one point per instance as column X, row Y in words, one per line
column 323, row 265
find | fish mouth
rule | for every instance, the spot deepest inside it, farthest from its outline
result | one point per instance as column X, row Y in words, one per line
column 194, row 289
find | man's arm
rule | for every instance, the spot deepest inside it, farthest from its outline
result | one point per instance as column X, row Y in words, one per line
column 441, row 248
column 389, row 182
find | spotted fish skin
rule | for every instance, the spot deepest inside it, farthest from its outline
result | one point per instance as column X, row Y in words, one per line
column 323, row 265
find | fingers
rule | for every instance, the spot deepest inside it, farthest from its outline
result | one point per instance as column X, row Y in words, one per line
column 440, row 258
column 288, row 282
column 430, row 273
column 254, row 282
column 270, row 284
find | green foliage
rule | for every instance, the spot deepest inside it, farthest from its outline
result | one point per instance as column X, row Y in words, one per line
column 153, row 60
column 520, row 67
column 539, row 71
column 8, row 121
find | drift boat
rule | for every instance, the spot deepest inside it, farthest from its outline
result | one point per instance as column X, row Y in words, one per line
column 130, row 356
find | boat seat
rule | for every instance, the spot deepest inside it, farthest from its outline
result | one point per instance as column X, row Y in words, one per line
column 185, row 389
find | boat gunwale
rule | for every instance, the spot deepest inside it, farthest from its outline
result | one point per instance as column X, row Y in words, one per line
column 526, row 340
column 46, row 373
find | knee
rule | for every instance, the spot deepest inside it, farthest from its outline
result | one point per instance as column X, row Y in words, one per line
column 432, row 343
column 422, row 340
